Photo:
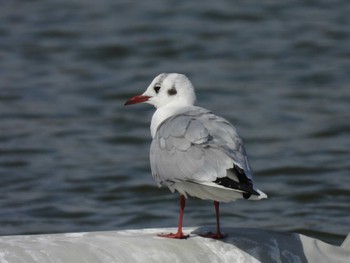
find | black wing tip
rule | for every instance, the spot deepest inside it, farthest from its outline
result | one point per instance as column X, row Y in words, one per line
column 246, row 195
column 247, row 190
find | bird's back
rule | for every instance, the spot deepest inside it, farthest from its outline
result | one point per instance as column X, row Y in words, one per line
column 198, row 147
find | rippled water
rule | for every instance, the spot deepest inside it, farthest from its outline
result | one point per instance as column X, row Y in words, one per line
column 72, row 158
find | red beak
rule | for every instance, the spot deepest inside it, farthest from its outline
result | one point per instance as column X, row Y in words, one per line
column 136, row 99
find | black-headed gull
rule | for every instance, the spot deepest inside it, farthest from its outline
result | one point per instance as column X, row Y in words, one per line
column 194, row 151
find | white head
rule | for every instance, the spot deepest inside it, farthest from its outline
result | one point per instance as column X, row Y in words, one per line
column 167, row 88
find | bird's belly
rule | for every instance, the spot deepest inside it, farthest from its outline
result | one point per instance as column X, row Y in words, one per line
column 205, row 192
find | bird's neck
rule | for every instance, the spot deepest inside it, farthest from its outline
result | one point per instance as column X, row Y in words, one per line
column 166, row 112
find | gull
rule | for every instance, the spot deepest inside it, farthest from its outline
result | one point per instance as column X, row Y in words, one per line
column 194, row 151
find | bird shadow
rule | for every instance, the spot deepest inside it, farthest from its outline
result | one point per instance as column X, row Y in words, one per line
column 263, row 245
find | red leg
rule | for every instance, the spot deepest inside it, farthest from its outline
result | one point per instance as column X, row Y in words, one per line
column 218, row 234
column 179, row 234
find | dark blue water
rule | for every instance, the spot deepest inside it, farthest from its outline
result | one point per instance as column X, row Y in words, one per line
column 73, row 158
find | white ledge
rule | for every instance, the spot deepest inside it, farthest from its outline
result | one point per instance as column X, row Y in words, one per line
column 241, row 245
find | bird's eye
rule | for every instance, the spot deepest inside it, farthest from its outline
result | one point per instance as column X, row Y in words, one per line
column 156, row 88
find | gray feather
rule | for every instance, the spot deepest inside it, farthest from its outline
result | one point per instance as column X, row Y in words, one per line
column 198, row 146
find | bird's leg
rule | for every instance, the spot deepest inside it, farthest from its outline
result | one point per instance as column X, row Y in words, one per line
column 218, row 234
column 179, row 234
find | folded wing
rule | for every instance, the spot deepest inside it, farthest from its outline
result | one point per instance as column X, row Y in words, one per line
column 199, row 147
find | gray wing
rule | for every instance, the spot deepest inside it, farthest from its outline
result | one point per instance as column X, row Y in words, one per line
column 197, row 146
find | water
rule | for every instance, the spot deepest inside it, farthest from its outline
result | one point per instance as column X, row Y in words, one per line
column 72, row 158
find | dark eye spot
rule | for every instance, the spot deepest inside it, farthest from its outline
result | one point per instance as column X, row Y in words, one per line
column 157, row 88
column 172, row 91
